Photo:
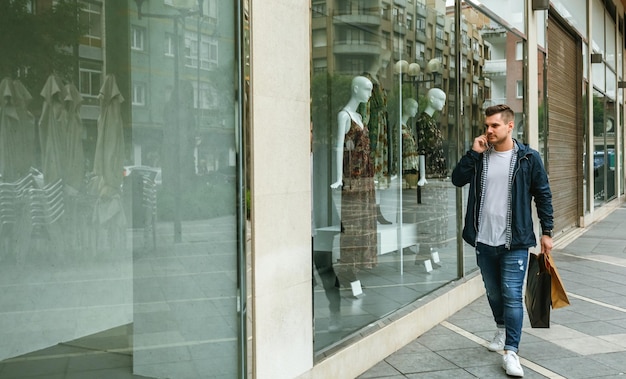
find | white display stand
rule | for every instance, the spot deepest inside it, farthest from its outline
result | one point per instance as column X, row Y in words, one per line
column 387, row 238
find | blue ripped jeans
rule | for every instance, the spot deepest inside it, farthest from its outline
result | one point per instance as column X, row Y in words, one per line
column 503, row 273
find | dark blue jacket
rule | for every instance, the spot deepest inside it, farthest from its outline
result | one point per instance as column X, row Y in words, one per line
column 530, row 180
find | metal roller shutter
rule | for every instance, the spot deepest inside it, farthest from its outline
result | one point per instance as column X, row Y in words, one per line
column 565, row 125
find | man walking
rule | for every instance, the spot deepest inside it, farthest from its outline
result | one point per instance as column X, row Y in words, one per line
column 504, row 176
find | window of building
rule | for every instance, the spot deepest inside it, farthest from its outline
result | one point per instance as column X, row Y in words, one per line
column 519, row 51
column 320, row 65
column 519, row 89
column 398, row 15
column 420, row 24
column 439, row 34
column 208, row 53
column 386, row 11
column 319, row 38
column 137, row 37
column 91, row 17
column 90, row 78
column 318, row 9
column 386, row 41
column 169, row 45
column 139, row 94
column 203, row 98
column 419, row 50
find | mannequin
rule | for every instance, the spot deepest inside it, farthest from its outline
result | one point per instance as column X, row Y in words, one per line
column 375, row 117
column 355, row 176
column 432, row 185
column 430, row 139
column 410, row 161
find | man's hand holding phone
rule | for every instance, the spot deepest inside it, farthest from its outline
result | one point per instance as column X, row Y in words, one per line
column 481, row 144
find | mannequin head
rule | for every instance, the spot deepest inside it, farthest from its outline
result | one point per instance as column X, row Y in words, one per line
column 409, row 108
column 436, row 98
column 361, row 89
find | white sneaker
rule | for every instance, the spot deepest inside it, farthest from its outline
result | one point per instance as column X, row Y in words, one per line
column 510, row 364
column 497, row 343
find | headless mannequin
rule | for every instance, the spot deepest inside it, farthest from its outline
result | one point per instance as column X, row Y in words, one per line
column 409, row 145
column 436, row 102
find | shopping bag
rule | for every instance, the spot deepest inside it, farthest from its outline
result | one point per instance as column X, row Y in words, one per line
column 558, row 294
column 538, row 296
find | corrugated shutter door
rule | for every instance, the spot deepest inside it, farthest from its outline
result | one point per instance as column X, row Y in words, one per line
column 564, row 125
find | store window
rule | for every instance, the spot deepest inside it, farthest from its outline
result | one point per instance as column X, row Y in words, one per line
column 385, row 140
column 119, row 237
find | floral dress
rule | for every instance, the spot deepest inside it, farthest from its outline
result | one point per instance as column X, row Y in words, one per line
column 358, row 213
column 374, row 114
column 410, row 157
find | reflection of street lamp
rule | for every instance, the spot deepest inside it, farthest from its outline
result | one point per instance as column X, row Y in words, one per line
column 433, row 67
column 182, row 14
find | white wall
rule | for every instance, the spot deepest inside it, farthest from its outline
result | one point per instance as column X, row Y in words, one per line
column 281, row 189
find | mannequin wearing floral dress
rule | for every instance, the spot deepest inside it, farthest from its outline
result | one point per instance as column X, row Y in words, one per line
column 355, row 176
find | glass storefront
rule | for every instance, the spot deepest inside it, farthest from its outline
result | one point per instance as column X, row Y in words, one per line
column 120, row 164
column 604, row 107
column 392, row 108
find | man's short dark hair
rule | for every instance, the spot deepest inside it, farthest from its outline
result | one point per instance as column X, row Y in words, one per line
column 507, row 112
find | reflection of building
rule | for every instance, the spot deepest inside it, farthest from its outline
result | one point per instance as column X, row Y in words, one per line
column 204, row 139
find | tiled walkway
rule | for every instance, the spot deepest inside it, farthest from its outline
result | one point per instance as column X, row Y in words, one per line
column 586, row 339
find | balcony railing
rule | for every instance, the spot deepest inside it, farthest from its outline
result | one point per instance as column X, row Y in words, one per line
column 361, row 17
column 495, row 67
column 353, row 47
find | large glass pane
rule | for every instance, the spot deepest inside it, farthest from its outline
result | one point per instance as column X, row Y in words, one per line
column 599, row 153
column 118, row 224
column 492, row 72
column 384, row 140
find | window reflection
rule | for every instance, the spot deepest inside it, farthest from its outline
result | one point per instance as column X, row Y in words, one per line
column 407, row 51
column 118, row 238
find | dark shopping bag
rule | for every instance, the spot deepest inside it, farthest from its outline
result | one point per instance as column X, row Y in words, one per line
column 538, row 297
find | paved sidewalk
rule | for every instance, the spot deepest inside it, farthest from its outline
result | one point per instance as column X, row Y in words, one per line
column 586, row 339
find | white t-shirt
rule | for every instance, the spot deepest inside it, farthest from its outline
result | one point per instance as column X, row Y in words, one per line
column 492, row 228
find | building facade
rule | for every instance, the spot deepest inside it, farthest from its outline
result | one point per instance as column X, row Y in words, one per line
column 169, row 197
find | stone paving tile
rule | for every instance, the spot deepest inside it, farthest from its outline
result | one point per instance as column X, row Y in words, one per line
column 443, row 374
column 382, row 370
column 419, row 363
column 577, row 367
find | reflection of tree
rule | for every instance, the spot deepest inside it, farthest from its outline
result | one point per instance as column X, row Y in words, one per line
column 541, row 117
column 598, row 115
column 35, row 45
column 329, row 93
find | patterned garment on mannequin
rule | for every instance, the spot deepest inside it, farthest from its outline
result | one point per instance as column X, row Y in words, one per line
column 374, row 114
column 410, row 160
column 433, row 211
column 430, row 144
column 358, row 213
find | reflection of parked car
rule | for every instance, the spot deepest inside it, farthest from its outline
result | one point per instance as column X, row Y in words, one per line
column 599, row 158
column 153, row 173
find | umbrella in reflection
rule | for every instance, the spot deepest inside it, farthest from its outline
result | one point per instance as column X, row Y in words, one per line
column 52, row 133
column 74, row 169
column 16, row 130
column 109, row 158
